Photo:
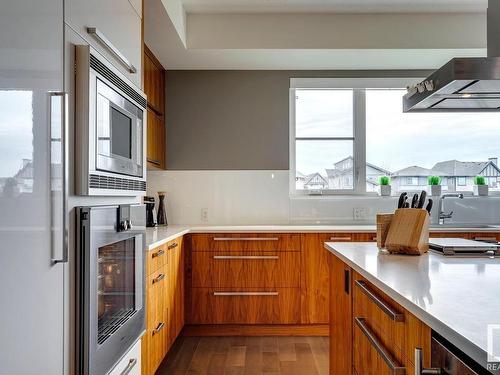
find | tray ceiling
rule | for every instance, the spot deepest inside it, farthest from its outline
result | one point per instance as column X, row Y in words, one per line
column 312, row 6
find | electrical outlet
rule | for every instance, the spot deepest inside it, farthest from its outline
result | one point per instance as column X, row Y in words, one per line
column 361, row 213
column 204, row 215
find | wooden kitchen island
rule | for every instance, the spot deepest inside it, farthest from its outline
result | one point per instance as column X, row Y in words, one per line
column 384, row 306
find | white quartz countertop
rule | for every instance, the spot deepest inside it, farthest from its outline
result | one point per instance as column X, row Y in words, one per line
column 160, row 235
column 456, row 297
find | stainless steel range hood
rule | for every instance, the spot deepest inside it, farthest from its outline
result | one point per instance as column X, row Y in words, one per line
column 463, row 84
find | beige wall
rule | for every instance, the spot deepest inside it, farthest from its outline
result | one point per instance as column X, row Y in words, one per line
column 236, row 120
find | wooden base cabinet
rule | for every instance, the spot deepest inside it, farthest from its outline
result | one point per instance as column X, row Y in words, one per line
column 316, row 273
column 244, row 278
column 370, row 334
column 164, row 303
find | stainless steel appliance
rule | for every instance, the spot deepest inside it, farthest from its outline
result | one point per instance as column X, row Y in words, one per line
column 461, row 247
column 33, row 188
column 110, row 129
column 110, row 274
column 446, row 359
column 463, row 84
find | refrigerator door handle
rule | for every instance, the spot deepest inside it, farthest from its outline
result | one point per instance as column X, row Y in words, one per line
column 58, row 155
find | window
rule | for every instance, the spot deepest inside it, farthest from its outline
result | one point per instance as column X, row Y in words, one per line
column 324, row 138
column 411, row 181
column 350, row 132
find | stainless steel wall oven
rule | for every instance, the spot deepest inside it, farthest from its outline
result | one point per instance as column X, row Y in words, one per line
column 110, row 293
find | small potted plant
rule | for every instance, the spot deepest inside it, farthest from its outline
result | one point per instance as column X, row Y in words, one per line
column 435, row 184
column 385, row 186
column 480, row 186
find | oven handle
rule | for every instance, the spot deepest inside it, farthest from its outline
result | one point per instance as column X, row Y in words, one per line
column 62, row 122
column 111, row 48
column 131, row 364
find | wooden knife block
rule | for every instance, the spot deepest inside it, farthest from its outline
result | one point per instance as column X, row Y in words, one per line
column 408, row 232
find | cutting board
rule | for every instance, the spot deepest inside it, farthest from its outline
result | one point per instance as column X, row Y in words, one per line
column 409, row 232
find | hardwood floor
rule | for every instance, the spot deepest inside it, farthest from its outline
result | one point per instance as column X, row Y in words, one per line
column 247, row 356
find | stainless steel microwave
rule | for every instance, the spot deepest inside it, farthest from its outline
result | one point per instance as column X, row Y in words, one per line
column 110, row 129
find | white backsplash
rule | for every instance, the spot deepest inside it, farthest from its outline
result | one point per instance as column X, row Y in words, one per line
column 262, row 197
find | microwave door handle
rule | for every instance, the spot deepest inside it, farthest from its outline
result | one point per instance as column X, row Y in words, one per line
column 58, row 132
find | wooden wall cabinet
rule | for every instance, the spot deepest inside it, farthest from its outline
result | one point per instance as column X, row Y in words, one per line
column 154, row 87
column 164, row 303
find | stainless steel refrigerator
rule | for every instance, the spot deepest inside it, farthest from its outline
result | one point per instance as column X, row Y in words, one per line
column 33, row 217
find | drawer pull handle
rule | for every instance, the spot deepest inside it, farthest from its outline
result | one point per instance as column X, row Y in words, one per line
column 419, row 365
column 246, row 294
column 341, row 238
column 246, row 239
column 160, row 277
column 158, row 253
column 158, row 328
column 374, row 238
column 395, row 316
column 131, row 364
column 173, row 246
column 393, row 365
column 244, row 257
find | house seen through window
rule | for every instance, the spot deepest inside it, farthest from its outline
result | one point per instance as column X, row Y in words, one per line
column 407, row 147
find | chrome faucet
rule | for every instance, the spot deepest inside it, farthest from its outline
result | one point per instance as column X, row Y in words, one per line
column 442, row 215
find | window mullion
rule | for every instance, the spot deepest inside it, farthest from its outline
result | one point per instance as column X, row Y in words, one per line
column 359, row 117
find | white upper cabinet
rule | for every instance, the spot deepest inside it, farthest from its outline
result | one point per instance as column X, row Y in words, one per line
column 137, row 4
column 118, row 22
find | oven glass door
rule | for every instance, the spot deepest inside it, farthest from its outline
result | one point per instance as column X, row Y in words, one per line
column 116, row 287
column 119, row 133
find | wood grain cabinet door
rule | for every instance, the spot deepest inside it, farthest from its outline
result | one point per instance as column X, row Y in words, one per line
column 176, row 288
column 156, row 319
column 240, row 242
column 245, row 306
column 246, row 269
column 340, row 317
column 154, row 87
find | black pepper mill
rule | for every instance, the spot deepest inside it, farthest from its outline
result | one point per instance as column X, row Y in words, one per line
column 162, row 213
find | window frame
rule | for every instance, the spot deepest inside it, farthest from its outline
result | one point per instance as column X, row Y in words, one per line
column 359, row 87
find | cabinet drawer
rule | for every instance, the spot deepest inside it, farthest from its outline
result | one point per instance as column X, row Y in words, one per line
column 245, row 306
column 370, row 355
column 350, row 237
column 383, row 316
column 155, row 259
column 245, row 242
column 131, row 363
column 246, row 269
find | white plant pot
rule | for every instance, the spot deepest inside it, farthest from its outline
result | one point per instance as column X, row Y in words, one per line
column 436, row 190
column 481, row 190
column 385, row 190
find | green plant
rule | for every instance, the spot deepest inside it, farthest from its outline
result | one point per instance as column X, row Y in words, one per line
column 479, row 180
column 384, row 180
column 434, row 180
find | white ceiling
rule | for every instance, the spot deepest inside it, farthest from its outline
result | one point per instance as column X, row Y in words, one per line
column 299, row 41
column 312, row 6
